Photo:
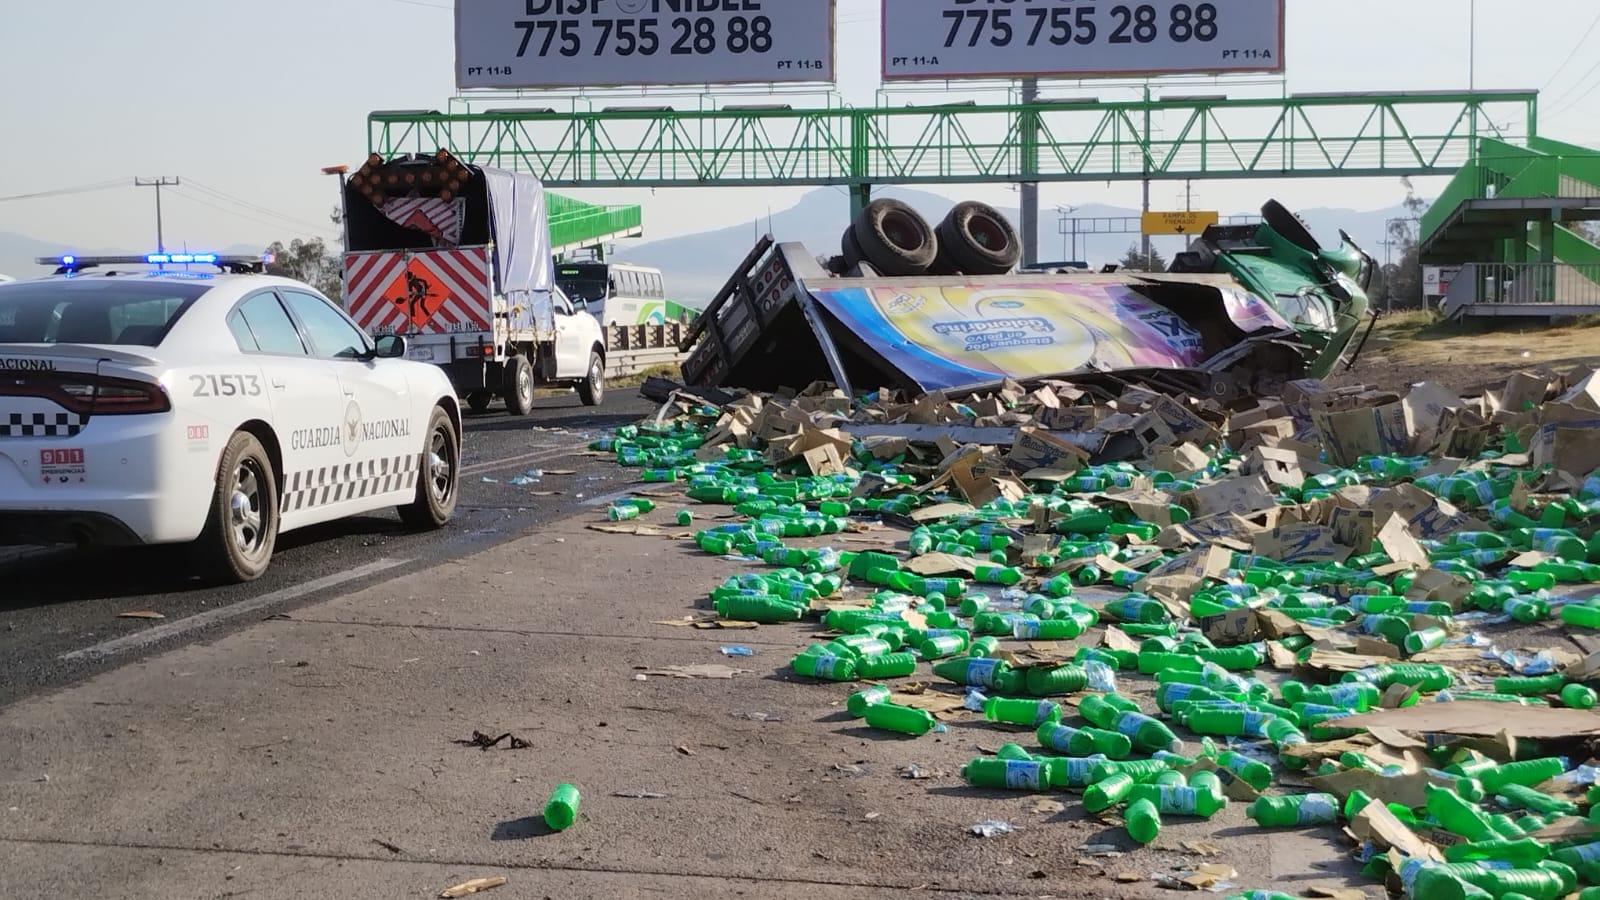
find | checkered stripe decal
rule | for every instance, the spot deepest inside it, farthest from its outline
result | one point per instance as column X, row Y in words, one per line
column 52, row 425
column 350, row 481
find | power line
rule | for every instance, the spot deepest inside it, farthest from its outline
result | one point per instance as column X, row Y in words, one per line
column 256, row 219
column 1578, row 86
column 1575, row 48
column 62, row 192
column 240, row 201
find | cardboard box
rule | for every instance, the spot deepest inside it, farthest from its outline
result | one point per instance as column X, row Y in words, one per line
column 1371, row 423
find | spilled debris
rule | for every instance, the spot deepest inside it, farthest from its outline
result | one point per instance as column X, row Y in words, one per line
column 1316, row 604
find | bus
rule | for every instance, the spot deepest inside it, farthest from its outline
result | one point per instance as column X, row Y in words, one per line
column 620, row 294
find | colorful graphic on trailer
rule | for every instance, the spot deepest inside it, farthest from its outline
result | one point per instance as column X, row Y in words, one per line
column 947, row 336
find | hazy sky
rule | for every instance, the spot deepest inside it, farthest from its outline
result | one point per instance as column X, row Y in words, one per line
column 246, row 101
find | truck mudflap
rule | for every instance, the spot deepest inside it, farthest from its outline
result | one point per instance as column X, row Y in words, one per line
column 782, row 323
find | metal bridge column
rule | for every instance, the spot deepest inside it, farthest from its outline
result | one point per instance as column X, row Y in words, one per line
column 860, row 196
column 860, row 163
column 1028, row 129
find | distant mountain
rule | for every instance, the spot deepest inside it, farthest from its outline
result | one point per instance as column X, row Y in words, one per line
column 697, row 265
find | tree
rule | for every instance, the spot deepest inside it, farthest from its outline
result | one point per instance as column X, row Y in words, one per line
column 1402, row 279
column 1135, row 260
column 308, row 261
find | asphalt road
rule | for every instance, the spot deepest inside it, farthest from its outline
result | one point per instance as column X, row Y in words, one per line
column 61, row 610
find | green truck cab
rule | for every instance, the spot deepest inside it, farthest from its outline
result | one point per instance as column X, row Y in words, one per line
column 1320, row 292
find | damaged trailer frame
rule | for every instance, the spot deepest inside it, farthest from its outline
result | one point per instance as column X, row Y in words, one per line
column 1243, row 312
column 769, row 330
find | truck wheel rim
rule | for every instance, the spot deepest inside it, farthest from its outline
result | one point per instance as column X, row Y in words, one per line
column 595, row 382
column 441, row 468
column 524, row 384
column 246, row 512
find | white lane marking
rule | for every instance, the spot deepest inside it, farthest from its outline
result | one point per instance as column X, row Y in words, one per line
column 244, row 607
column 604, row 499
column 511, row 462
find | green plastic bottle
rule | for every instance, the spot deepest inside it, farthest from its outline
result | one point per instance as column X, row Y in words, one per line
column 1581, row 615
column 1296, row 809
column 1529, row 686
column 1143, row 821
column 943, row 646
column 891, row 717
column 1578, row 696
column 816, row 661
column 1031, row 713
column 1181, row 800
column 1091, row 741
column 980, row 672
column 988, row 645
column 1457, row 815
column 1520, row 853
column 561, row 810
column 1517, row 796
column 1252, row 772
column 766, row 610
column 1014, row 774
column 1042, row 681
column 1527, row 772
column 1108, row 792
column 1426, row 639
column 858, row 702
column 887, row 665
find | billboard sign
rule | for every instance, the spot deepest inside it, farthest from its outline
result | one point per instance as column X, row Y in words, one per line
column 609, row 43
column 940, row 39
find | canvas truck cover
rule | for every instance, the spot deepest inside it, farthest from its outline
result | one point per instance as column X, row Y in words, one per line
column 524, row 264
column 492, row 242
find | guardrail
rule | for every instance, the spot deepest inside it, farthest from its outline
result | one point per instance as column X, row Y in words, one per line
column 632, row 349
column 1481, row 288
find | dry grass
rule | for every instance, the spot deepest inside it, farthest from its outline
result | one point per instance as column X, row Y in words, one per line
column 1415, row 346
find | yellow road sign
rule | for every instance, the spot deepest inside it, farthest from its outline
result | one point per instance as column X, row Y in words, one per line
column 1180, row 222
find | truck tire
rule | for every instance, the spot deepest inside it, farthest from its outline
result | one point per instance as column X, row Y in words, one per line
column 439, row 482
column 894, row 239
column 518, row 388
column 1290, row 226
column 850, row 248
column 592, row 389
column 478, row 401
column 976, row 239
column 242, row 527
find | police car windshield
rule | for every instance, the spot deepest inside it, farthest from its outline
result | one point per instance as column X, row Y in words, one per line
column 88, row 311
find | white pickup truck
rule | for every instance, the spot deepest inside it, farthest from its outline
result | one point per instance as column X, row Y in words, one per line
column 457, row 259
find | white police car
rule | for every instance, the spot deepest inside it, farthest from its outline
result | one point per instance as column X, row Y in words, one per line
column 142, row 407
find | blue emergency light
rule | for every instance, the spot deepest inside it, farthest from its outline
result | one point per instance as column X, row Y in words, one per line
column 71, row 263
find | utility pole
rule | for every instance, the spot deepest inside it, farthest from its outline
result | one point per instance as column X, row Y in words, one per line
column 158, row 184
column 1030, row 189
column 1144, row 155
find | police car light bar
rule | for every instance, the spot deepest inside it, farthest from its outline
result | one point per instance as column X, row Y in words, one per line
column 69, row 263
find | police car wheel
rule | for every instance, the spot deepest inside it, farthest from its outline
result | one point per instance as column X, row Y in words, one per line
column 242, row 528
column 592, row 389
column 439, row 482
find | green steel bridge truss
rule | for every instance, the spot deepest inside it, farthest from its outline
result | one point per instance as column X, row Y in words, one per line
column 1171, row 138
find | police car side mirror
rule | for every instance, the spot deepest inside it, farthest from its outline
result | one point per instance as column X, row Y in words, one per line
column 391, row 346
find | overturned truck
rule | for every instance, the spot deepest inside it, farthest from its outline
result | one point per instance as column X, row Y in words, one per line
column 1245, row 310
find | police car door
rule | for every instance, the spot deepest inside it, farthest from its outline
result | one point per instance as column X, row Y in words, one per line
column 380, row 438
column 304, row 395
